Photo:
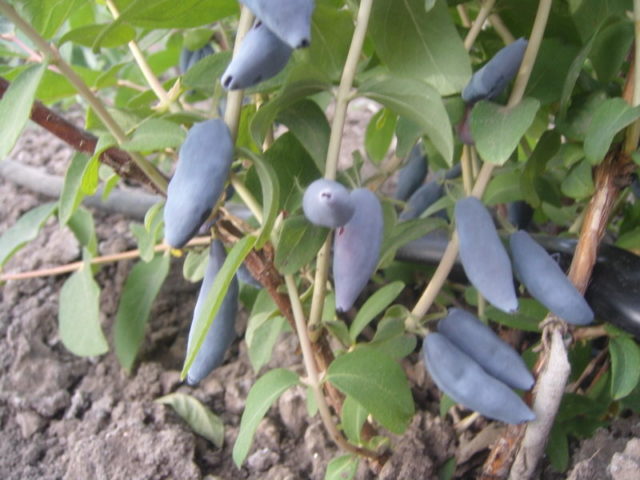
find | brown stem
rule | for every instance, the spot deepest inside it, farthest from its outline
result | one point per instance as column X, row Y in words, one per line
column 612, row 174
column 83, row 141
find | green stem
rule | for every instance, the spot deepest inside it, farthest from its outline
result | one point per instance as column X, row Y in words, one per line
column 483, row 14
column 312, row 372
column 147, row 72
column 333, row 152
column 52, row 53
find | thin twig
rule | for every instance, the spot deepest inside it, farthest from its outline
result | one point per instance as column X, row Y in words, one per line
column 501, row 29
column 145, row 68
column 115, row 257
column 479, row 21
column 312, row 374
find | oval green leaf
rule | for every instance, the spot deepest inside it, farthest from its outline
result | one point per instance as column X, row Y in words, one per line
column 377, row 383
column 15, row 106
column 417, row 42
column 298, row 244
column 24, row 230
column 625, row 358
column 497, row 130
column 374, row 306
column 418, row 102
column 79, row 315
column 139, row 292
column 201, row 420
column 261, row 396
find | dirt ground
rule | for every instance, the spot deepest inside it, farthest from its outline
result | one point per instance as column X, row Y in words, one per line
column 65, row 417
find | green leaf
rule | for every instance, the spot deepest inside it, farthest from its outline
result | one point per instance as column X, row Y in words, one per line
column 201, row 74
column 24, row 230
column 353, row 417
column 298, row 245
column 418, row 102
column 588, row 15
column 86, row 35
column 196, row 39
column 497, row 129
column 379, row 134
column 300, row 84
column 377, row 383
column 331, row 31
column 610, row 117
column 578, row 183
column 15, row 106
column 344, row 467
column 558, row 448
column 390, row 337
column 261, row 396
column 201, row 420
column 551, row 70
column 216, row 294
column 261, row 336
column 529, row 315
column 546, row 148
column 573, row 74
column 504, row 187
column 72, row 193
column 270, row 195
column 83, row 227
column 407, row 135
column 79, row 315
column 144, row 240
column 169, row 14
column 374, row 305
column 155, row 134
column 448, row 469
column 414, row 42
column 139, row 292
column 625, row 358
column 47, row 16
column 90, row 180
column 306, row 120
column 195, row 264
column 611, row 49
column 339, row 330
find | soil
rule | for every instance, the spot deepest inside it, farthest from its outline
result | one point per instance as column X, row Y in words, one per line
column 71, row 418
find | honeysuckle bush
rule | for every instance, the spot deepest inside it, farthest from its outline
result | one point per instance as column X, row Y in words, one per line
column 569, row 123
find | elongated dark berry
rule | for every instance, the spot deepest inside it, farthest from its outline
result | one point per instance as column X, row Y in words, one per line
column 290, row 20
column 421, row 199
column 484, row 258
column 356, row 248
column 222, row 331
column 199, row 179
column 412, row 173
column 546, row 282
column 460, row 377
column 488, row 82
column 262, row 55
column 481, row 343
